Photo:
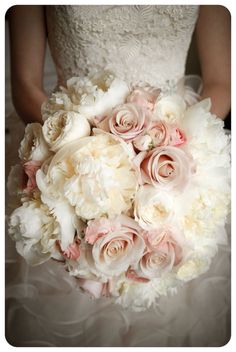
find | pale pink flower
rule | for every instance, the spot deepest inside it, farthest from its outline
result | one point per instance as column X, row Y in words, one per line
column 177, row 136
column 99, row 228
column 72, row 252
column 117, row 243
column 159, row 133
column 129, row 121
column 167, row 166
column 30, row 168
column 144, row 96
column 164, row 252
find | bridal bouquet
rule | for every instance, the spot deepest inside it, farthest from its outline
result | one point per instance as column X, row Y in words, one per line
column 128, row 187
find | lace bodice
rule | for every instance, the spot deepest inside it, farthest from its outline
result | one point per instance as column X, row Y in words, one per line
column 138, row 43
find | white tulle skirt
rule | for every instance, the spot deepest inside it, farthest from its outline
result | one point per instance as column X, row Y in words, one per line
column 45, row 307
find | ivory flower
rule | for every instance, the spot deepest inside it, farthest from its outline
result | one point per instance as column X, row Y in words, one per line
column 170, row 108
column 35, row 231
column 64, row 127
column 33, row 146
column 152, row 207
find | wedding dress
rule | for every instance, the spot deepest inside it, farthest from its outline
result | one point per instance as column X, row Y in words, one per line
column 44, row 305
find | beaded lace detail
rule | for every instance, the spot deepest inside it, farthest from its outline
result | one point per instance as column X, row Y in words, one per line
column 139, row 43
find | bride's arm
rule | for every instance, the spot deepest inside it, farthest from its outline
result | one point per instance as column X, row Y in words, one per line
column 27, row 45
column 213, row 42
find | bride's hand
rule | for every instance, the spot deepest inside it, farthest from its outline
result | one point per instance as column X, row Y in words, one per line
column 213, row 42
column 28, row 44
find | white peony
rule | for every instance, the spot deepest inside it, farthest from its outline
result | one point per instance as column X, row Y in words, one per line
column 170, row 108
column 98, row 94
column 153, row 207
column 95, row 175
column 192, row 268
column 35, row 231
column 207, row 140
column 57, row 101
column 63, row 127
column 60, row 208
column 33, row 146
column 204, row 215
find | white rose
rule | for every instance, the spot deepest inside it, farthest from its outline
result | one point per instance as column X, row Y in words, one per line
column 33, row 146
column 170, row 108
column 63, row 127
column 152, row 207
column 35, row 232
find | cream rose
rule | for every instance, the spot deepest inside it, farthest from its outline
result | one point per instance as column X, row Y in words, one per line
column 64, row 127
column 33, row 146
column 153, row 207
column 170, row 108
column 129, row 121
column 167, row 167
column 117, row 243
column 35, row 231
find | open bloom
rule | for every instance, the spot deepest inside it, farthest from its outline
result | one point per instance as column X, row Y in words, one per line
column 128, row 121
column 153, row 207
column 117, row 243
column 33, row 146
column 167, row 167
column 63, row 127
column 170, row 108
column 35, row 231
column 95, row 176
column 96, row 95
column 163, row 253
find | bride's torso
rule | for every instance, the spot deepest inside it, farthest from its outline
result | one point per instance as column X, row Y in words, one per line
column 138, row 43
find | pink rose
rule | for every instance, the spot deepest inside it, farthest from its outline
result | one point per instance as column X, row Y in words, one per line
column 159, row 133
column 164, row 251
column 144, row 96
column 99, row 228
column 177, row 137
column 30, row 168
column 117, row 243
column 72, row 252
column 129, row 121
column 167, row 166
